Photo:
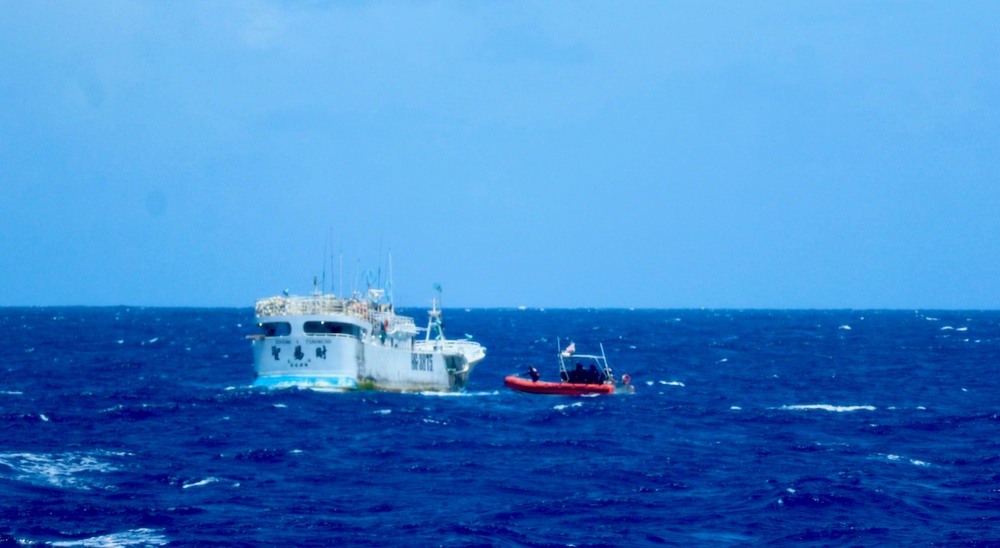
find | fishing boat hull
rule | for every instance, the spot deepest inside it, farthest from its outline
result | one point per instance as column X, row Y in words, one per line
column 557, row 388
column 326, row 343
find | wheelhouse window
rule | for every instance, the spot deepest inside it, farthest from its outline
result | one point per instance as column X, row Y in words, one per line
column 275, row 329
column 329, row 328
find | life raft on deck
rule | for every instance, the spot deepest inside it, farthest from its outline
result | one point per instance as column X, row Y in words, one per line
column 559, row 388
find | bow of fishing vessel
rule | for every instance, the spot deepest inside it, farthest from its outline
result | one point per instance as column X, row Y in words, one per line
column 590, row 375
column 326, row 342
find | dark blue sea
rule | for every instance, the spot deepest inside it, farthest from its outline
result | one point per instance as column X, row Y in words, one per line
column 132, row 427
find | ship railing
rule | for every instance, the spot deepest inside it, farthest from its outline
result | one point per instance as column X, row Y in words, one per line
column 288, row 306
column 453, row 346
column 327, row 304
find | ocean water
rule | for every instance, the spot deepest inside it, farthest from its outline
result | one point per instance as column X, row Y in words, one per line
column 138, row 427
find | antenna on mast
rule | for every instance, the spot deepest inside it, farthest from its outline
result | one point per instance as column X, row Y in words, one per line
column 326, row 245
column 390, row 277
column 378, row 279
column 357, row 275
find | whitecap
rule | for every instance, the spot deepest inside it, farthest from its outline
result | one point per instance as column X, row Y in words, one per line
column 12, row 392
column 562, row 407
column 650, row 383
column 723, row 360
column 58, row 470
column 382, row 412
column 672, row 383
column 133, row 537
column 458, row 394
column 825, row 407
column 120, row 341
column 962, row 329
column 919, row 462
column 281, row 406
column 199, row 483
column 153, row 340
column 892, row 457
column 845, row 327
column 43, row 417
column 946, row 328
column 736, row 408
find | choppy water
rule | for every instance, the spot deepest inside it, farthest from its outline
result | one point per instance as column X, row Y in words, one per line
column 137, row 427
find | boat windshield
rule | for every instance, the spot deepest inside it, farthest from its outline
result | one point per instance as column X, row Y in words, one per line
column 584, row 369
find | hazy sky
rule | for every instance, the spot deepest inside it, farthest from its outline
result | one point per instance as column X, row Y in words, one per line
column 548, row 154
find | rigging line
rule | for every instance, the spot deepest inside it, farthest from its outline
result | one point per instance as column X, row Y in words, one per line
column 378, row 278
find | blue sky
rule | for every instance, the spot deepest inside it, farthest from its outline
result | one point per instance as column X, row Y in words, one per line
column 546, row 154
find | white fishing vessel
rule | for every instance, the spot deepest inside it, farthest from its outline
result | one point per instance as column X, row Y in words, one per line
column 328, row 342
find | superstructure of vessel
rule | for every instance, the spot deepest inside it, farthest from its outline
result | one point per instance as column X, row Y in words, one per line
column 327, row 342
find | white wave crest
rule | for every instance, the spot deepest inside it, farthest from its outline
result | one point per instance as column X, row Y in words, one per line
column 914, row 462
column 562, row 407
column 832, row 408
column 459, row 394
column 54, row 470
column 205, row 481
column 134, row 537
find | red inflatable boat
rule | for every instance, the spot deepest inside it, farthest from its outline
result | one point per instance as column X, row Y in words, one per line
column 592, row 375
column 561, row 388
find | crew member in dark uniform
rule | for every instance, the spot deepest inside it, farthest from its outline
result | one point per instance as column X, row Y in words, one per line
column 533, row 373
